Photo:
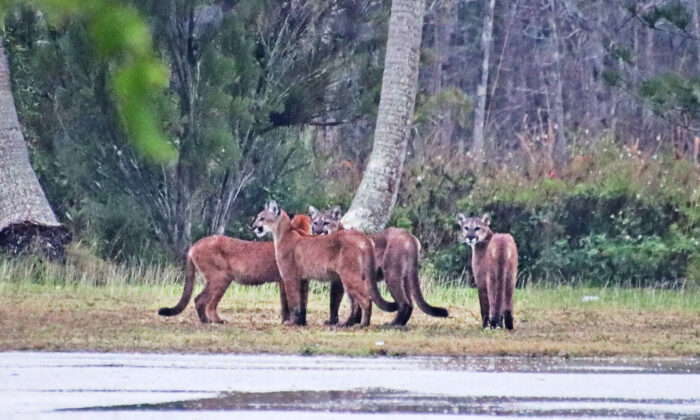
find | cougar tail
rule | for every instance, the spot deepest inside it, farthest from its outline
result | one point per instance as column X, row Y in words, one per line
column 414, row 282
column 190, row 272
column 370, row 275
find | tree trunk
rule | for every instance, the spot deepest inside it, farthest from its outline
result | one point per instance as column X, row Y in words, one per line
column 438, row 48
column 696, row 18
column 27, row 222
column 179, row 30
column 560, row 143
column 480, row 110
column 375, row 199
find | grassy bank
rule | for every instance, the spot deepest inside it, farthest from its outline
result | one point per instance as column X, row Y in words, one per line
column 52, row 313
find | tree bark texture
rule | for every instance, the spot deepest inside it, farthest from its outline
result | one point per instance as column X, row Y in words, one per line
column 27, row 222
column 375, row 199
column 696, row 19
column 560, row 142
column 480, row 110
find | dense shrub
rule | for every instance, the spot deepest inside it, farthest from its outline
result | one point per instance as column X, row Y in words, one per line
column 628, row 221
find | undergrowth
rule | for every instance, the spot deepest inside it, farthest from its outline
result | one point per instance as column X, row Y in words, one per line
column 615, row 216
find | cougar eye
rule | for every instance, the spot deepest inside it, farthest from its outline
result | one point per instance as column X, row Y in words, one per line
column 476, row 228
column 262, row 219
column 325, row 223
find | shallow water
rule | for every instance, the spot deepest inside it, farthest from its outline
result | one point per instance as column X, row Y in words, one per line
column 114, row 385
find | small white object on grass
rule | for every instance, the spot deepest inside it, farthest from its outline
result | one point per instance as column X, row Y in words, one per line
column 589, row 298
column 378, row 343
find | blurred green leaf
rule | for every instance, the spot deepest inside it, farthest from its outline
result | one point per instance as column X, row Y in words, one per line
column 119, row 33
column 117, row 30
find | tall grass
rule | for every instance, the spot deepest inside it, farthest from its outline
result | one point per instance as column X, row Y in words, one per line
column 36, row 271
column 90, row 275
column 567, row 297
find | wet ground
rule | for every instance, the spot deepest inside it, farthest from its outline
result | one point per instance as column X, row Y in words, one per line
column 114, row 385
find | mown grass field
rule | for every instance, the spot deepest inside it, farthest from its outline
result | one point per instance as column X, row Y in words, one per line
column 62, row 308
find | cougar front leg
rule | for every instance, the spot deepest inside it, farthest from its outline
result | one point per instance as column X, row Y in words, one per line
column 496, row 290
column 484, row 305
column 337, row 293
column 293, row 290
column 283, row 303
column 304, row 299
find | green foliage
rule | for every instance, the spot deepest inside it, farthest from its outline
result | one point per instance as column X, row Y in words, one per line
column 627, row 222
column 116, row 30
column 119, row 234
column 623, row 53
column 232, row 103
column 118, row 33
column 454, row 101
column 693, row 272
column 612, row 78
column 235, row 100
column 136, row 110
column 670, row 92
column 672, row 11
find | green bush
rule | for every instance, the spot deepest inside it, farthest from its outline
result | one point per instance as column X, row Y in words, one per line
column 626, row 222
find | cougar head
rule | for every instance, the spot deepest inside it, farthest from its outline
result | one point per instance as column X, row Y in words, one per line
column 268, row 219
column 474, row 229
column 325, row 222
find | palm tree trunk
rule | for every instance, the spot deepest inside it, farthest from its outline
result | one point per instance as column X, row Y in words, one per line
column 375, row 199
column 27, row 222
column 480, row 110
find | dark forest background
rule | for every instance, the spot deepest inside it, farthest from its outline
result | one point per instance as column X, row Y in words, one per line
column 585, row 145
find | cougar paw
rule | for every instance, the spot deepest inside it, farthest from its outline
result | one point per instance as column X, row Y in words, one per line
column 508, row 320
column 346, row 324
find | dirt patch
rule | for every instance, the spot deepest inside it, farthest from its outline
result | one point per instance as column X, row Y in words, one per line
column 125, row 320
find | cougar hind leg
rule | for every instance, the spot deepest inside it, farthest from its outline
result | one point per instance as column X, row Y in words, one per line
column 215, row 295
column 399, row 289
column 200, row 303
column 403, row 315
column 510, row 289
column 352, row 318
column 366, row 305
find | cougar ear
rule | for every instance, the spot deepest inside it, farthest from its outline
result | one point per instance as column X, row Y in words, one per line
column 486, row 218
column 272, row 206
column 461, row 218
column 337, row 212
column 313, row 212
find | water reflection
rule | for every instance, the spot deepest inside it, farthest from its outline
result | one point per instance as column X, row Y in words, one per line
column 392, row 401
column 114, row 385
